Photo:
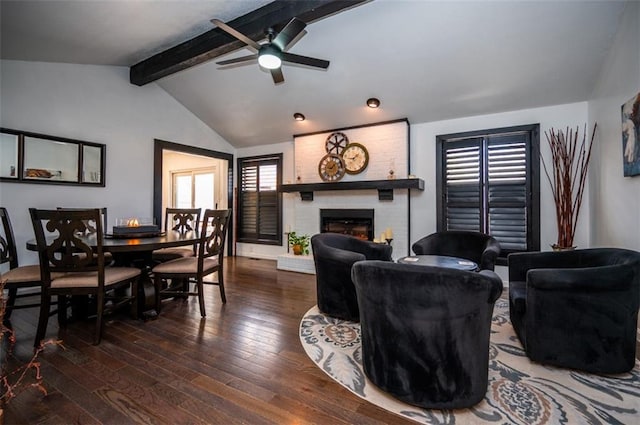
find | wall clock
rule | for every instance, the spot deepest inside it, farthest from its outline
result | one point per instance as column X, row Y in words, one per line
column 331, row 168
column 336, row 143
column 356, row 158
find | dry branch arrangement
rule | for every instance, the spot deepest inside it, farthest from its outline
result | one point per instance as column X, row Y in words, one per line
column 567, row 177
column 16, row 377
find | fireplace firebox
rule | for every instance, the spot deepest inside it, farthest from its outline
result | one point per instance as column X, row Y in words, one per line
column 354, row 222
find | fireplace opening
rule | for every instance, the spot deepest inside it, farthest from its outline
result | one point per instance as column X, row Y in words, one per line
column 354, row 222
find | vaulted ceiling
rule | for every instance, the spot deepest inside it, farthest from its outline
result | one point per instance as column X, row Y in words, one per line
column 425, row 60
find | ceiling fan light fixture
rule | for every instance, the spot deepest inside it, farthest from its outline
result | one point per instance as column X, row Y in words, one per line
column 298, row 116
column 269, row 57
column 373, row 102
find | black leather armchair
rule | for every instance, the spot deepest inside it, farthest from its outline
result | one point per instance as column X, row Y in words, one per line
column 425, row 331
column 478, row 247
column 577, row 309
column 333, row 255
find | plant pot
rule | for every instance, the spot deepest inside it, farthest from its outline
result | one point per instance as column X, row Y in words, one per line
column 297, row 249
column 559, row 248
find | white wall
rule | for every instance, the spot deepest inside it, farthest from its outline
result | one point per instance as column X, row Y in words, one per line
column 616, row 199
column 423, row 157
column 423, row 165
column 97, row 104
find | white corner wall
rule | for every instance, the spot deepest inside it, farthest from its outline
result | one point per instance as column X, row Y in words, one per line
column 97, row 104
column 423, row 164
column 615, row 205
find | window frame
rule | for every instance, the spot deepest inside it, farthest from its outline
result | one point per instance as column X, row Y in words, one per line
column 192, row 172
column 260, row 238
column 482, row 137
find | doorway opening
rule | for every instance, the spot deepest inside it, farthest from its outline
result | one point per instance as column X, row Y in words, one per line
column 191, row 177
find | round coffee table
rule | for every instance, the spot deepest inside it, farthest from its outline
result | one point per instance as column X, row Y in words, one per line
column 440, row 261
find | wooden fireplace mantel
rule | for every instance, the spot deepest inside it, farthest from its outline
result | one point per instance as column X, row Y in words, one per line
column 384, row 187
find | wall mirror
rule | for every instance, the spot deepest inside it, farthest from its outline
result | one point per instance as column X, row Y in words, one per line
column 9, row 156
column 39, row 158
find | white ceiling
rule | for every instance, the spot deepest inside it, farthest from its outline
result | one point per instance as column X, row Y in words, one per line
column 425, row 60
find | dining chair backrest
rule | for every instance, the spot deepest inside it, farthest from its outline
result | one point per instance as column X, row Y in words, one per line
column 91, row 225
column 60, row 249
column 182, row 219
column 212, row 237
column 8, row 252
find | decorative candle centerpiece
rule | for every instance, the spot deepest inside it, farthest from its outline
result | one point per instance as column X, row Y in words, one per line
column 135, row 226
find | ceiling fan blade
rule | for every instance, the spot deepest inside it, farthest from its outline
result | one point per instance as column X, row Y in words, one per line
column 288, row 33
column 277, row 76
column 237, row 60
column 304, row 60
column 226, row 28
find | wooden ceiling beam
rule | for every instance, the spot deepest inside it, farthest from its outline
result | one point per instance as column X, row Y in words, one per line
column 216, row 42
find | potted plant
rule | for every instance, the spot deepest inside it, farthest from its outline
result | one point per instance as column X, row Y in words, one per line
column 299, row 243
column 567, row 176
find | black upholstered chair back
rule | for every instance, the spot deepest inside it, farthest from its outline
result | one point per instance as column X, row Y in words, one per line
column 577, row 309
column 333, row 255
column 478, row 247
column 425, row 331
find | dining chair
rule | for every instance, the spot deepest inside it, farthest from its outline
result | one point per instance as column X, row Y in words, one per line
column 60, row 250
column 180, row 220
column 169, row 276
column 17, row 277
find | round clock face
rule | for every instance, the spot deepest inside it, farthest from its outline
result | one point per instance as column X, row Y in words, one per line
column 336, row 143
column 331, row 168
column 356, row 158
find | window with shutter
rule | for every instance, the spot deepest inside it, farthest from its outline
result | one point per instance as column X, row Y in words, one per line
column 488, row 182
column 259, row 202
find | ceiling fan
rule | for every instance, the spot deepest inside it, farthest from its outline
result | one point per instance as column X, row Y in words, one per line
column 271, row 54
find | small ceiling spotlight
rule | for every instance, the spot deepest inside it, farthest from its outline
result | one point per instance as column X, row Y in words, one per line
column 373, row 102
column 298, row 116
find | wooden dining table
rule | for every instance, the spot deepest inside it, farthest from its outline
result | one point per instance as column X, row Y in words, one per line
column 138, row 252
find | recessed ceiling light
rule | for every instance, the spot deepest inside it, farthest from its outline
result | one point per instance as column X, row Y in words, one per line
column 372, row 102
column 298, row 116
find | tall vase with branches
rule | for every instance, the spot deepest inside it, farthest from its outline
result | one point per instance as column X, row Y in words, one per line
column 567, row 175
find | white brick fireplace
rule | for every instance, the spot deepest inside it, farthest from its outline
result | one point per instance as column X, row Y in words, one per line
column 387, row 214
column 388, row 147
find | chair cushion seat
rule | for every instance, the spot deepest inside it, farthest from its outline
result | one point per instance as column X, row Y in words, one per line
column 25, row 274
column 185, row 266
column 112, row 275
column 168, row 254
column 22, row 274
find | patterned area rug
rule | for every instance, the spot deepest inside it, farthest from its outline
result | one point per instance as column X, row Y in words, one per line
column 519, row 391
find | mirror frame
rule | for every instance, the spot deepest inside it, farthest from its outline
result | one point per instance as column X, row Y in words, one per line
column 23, row 160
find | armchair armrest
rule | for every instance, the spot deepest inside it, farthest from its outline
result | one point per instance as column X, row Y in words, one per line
column 490, row 255
column 521, row 262
column 592, row 279
column 343, row 256
column 371, row 250
column 496, row 282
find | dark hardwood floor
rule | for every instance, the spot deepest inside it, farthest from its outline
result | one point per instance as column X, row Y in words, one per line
column 243, row 363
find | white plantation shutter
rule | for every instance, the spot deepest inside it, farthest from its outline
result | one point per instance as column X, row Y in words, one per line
column 464, row 186
column 507, row 191
column 488, row 183
column 259, row 203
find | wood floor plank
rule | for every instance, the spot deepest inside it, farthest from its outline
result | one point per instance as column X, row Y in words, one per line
column 242, row 364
